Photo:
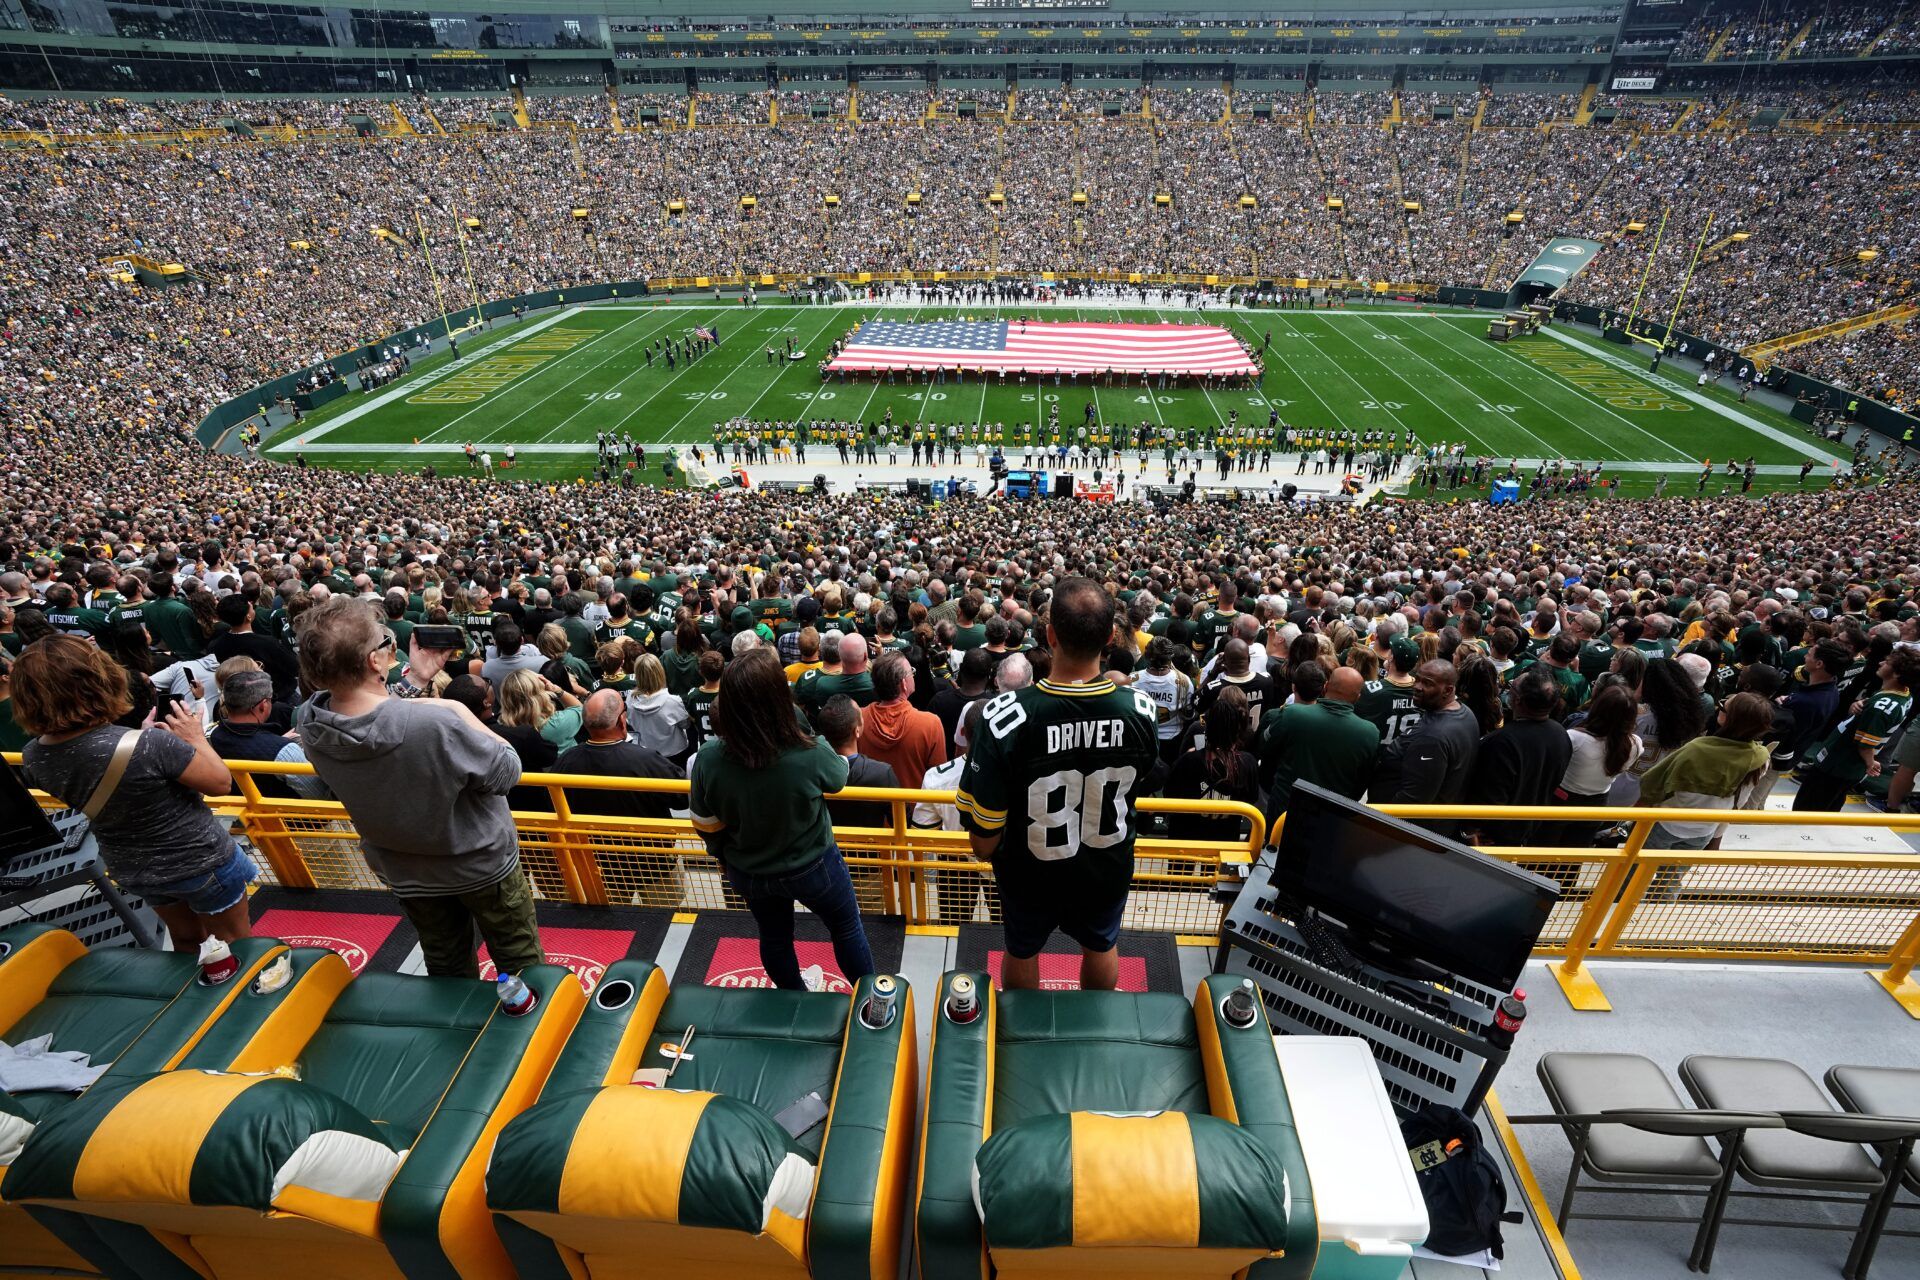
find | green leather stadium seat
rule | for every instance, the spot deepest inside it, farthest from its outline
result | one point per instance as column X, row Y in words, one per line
column 340, row 1130
column 1060, row 1106
column 136, row 1009
column 1064, row 1051
column 608, row 1181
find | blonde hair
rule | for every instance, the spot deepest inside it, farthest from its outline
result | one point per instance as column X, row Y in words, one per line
column 552, row 640
column 648, row 675
column 524, row 700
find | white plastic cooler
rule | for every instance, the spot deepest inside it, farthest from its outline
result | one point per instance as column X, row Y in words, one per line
column 1365, row 1196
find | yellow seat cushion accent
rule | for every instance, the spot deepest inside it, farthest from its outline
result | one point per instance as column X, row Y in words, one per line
column 624, row 1130
column 1113, row 1158
column 145, row 1148
column 1115, row 1263
column 619, row 1250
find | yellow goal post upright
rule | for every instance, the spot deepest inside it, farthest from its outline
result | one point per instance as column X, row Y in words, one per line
column 1633, row 312
column 1699, row 247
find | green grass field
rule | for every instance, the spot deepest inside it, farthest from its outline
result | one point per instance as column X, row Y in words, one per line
column 549, row 384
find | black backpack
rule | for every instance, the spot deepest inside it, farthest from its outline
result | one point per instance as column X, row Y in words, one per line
column 1460, row 1180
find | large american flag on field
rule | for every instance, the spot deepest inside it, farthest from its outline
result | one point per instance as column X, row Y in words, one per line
column 1038, row 346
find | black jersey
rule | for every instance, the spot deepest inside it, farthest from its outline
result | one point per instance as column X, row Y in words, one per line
column 1058, row 767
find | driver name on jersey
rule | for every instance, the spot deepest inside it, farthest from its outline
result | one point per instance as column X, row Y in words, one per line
column 1057, row 769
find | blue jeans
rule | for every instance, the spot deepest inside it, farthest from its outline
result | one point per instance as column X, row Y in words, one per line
column 210, row 892
column 823, row 888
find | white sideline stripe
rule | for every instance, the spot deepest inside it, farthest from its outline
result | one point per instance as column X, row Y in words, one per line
column 686, row 446
column 1774, row 434
column 409, row 385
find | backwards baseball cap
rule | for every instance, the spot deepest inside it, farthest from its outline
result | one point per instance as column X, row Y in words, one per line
column 1404, row 651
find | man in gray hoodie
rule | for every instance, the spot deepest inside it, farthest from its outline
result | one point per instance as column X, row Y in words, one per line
column 426, row 785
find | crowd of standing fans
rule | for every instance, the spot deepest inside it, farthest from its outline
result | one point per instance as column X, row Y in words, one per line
column 775, row 648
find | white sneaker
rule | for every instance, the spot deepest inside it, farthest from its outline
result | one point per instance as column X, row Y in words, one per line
column 815, row 977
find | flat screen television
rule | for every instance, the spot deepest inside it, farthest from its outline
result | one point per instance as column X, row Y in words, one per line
column 1402, row 893
column 24, row 827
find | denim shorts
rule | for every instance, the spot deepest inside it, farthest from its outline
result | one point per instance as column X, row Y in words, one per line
column 1033, row 905
column 210, row 892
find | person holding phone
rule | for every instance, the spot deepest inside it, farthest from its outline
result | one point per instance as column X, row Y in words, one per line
column 141, row 788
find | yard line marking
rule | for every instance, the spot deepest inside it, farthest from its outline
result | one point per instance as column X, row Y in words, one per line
column 1803, row 447
column 1298, row 377
column 817, row 335
column 426, row 378
column 1476, row 395
column 1409, row 384
column 488, row 401
column 547, row 399
column 1398, row 425
column 632, row 373
column 736, row 367
column 686, row 367
column 1584, row 394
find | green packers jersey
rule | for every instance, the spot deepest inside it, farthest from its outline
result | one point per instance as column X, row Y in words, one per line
column 1057, row 769
column 639, row 630
column 1875, row 722
column 1390, row 708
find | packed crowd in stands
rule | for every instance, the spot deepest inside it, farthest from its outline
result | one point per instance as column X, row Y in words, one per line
column 258, row 306
column 1684, row 651
column 1776, row 34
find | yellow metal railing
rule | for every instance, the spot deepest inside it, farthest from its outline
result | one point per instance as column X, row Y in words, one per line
column 1808, row 905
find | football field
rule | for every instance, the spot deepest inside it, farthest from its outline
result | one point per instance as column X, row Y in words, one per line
column 549, row 384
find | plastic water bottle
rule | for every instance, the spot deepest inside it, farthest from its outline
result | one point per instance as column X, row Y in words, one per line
column 516, row 997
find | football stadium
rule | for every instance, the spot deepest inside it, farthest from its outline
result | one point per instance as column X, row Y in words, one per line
column 681, row 640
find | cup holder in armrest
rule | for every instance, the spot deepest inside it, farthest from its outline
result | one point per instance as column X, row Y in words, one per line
column 616, row 994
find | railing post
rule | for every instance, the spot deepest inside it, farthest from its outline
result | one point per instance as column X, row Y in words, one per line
column 1897, row 977
column 582, row 880
column 1576, row 981
column 271, row 836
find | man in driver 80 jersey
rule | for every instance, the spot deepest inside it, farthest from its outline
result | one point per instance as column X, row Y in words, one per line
column 1048, row 795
